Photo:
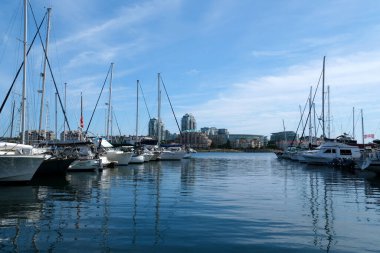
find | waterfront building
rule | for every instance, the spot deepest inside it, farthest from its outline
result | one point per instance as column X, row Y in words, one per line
column 284, row 138
column 195, row 139
column 188, row 122
column 247, row 141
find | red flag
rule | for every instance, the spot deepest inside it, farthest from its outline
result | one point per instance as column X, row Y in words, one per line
column 369, row 136
column 81, row 121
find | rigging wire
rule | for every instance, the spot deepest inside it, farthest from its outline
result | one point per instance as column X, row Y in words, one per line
column 97, row 102
column 22, row 64
column 50, row 69
column 309, row 114
column 146, row 106
column 171, row 106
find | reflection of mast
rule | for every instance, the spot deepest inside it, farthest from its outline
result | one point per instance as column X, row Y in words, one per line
column 135, row 179
column 327, row 214
column 157, row 220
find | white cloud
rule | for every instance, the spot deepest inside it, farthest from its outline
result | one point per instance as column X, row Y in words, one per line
column 258, row 106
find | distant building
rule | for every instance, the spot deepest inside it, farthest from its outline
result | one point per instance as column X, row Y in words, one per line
column 34, row 136
column 195, row 139
column 71, row 135
column 152, row 129
column 247, row 141
column 284, row 138
column 188, row 122
column 209, row 130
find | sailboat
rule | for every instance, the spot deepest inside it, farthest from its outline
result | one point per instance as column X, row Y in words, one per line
column 169, row 152
column 138, row 156
column 19, row 162
column 121, row 157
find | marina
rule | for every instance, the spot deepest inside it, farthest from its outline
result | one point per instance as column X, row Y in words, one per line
column 212, row 202
column 155, row 126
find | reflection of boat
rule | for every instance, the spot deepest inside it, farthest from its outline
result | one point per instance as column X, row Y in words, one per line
column 86, row 165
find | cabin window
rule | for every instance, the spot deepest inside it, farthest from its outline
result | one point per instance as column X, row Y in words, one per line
column 328, row 151
column 333, row 150
column 345, row 152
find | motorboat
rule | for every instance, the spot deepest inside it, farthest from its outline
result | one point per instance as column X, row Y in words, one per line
column 332, row 152
column 173, row 153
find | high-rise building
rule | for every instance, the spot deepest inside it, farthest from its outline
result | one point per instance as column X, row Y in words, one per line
column 188, row 122
column 152, row 128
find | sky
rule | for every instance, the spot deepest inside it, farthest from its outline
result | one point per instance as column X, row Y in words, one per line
column 245, row 65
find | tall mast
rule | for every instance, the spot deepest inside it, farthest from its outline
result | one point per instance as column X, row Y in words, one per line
column 315, row 121
column 137, row 110
column 310, row 108
column 300, row 108
column 361, row 112
column 56, row 117
column 159, row 109
column 24, row 73
column 64, row 121
column 81, row 123
column 328, row 111
column 353, row 122
column 323, row 98
column 286, row 141
column 13, row 116
column 109, row 105
column 44, row 71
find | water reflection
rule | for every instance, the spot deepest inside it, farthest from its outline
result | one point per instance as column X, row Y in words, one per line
column 242, row 201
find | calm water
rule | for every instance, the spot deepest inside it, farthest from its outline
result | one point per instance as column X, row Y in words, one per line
column 214, row 202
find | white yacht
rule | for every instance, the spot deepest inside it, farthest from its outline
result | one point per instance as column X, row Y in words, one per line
column 121, row 156
column 330, row 152
column 18, row 163
column 173, row 153
column 87, row 158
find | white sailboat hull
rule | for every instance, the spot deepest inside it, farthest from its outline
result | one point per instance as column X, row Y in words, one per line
column 19, row 168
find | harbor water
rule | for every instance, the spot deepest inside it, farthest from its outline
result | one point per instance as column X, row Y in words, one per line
column 213, row 202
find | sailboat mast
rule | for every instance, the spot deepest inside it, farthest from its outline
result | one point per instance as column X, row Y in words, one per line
column 56, row 116
column 24, row 73
column 13, row 116
column 286, row 141
column 328, row 112
column 137, row 110
column 109, row 105
column 159, row 109
column 323, row 98
column 361, row 112
column 64, row 117
column 44, row 71
column 310, row 108
column 353, row 122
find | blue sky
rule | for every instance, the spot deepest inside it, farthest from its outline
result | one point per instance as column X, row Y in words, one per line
column 240, row 65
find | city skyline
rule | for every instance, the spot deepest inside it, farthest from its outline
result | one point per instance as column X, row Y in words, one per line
column 244, row 66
